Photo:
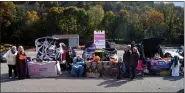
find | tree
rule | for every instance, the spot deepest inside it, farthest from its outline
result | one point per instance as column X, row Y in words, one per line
column 95, row 15
column 68, row 22
column 122, row 24
column 82, row 22
column 31, row 17
column 172, row 18
column 108, row 23
column 18, row 25
column 53, row 17
column 136, row 29
column 155, row 22
column 7, row 15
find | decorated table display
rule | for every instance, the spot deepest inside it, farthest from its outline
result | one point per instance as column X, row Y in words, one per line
column 46, row 63
column 101, row 69
column 44, row 68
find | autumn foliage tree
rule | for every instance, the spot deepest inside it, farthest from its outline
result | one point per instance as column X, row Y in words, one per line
column 7, row 15
column 123, row 21
column 155, row 26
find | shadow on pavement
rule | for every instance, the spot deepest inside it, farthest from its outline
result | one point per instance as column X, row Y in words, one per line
column 4, row 78
column 181, row 91
column 112, row 83
column 170, row 78
column 109, row 81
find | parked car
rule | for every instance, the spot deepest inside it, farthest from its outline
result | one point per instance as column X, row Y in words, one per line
column 1, row 57
column 150, row 47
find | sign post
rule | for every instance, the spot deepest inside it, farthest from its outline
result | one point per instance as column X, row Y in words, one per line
column 99, row 39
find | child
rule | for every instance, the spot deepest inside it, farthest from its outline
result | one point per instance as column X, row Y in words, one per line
column 120, row 68
column 175, row 66
column 139, row 68
column 10, row 56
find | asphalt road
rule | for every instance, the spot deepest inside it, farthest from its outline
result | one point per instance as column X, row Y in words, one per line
column 66, row 83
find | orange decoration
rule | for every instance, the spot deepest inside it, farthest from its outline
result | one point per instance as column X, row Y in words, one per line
column 113, row 60
column 21, row 57
column 96, row 58
column 166, row 59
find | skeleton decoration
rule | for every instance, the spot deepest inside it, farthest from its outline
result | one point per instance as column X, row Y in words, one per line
column 48, row 48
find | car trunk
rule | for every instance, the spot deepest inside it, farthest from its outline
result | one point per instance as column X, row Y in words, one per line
column 151, row 46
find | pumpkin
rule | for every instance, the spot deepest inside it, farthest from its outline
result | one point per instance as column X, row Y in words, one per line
column 166, row 59
column 21, row 57
column 96, row 58
column 113, row 60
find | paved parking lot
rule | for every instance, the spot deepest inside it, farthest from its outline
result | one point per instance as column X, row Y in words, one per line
column 66, row 83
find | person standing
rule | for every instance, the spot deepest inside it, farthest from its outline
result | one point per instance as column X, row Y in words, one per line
column 175, row 67
column 126, row 60
column 120, row 68
column 133, row 62
column 10, row 56
column 133, row 44
column 21, row 63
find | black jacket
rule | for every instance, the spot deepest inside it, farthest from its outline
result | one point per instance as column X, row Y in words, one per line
column 126, row 57
column 134, row 59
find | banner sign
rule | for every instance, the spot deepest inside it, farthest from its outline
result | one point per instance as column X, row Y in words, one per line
column 99, row 39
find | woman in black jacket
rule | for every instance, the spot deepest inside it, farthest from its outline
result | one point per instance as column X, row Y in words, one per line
column 133, row 62
column 126, row 60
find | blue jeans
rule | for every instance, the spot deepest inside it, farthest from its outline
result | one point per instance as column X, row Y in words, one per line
column 77, row 70
column 124, row 68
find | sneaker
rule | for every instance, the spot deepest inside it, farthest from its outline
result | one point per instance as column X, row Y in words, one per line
column 10, row 77
column 17, row 77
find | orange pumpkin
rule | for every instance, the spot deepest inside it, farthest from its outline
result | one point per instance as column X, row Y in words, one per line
column 166, row 59
column 113, row 60
column 21, row 57
column 96, row 58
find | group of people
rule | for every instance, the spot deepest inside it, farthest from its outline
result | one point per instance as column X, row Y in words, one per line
column 16, row 61
column 130, row 59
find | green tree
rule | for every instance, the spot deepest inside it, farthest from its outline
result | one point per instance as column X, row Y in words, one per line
column 53, row 17
column 108, row 24
column 135, row 28
column 95, row 15
column 7, row 15
column 122, row 24
column 68, row 22
column 18, row 25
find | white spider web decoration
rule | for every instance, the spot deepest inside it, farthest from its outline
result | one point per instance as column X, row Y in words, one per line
column 47, row 48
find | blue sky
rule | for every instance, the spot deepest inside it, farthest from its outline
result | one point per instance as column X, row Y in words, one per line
column 180, row 3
